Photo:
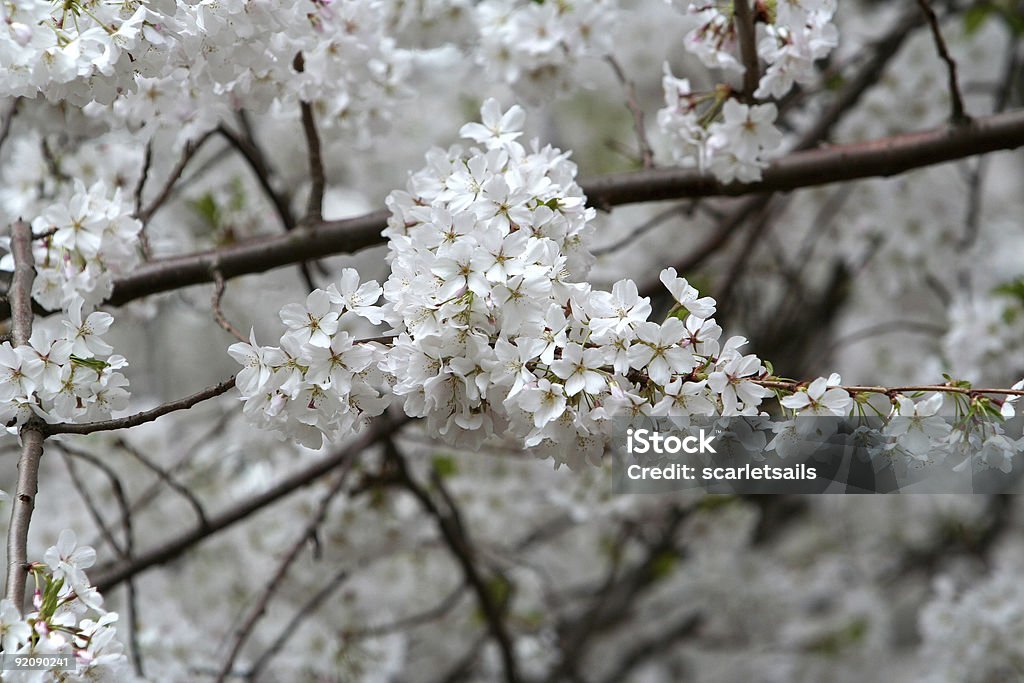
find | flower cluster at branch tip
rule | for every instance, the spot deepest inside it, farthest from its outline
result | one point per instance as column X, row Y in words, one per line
column 497, row 331
column 67, row 618
column 320, row 382
column 66, row 373
column 499, row 334
column 713, row 130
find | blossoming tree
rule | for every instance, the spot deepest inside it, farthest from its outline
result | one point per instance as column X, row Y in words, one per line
column 372, row 487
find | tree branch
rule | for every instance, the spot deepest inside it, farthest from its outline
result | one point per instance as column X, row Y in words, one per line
column 958, row 114
column 143, row 417
column 111, row 575
column 877, row 158
column 456, row 538
column 745, row 35
column 245, row 629
column 20, row 296
column 646, row 154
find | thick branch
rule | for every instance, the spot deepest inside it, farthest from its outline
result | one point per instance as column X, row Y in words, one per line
column 31, row 436
column 884, row 157
column 831, row 164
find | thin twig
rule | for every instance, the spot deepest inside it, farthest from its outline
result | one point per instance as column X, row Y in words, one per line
column 170, row 548
column 257, row 161
column 315, row 206
column 254, row 156
column 315, row 602
column 126, row 551
column 457, row 539
column 640, row 230
column 166, row 477
column 90, row 504
column 646, row 154
column 140, row 186
column 958, row 115
column 143, row 417
column 8, row 120
column 218, row 313
column 243, row 632
column 191, row 148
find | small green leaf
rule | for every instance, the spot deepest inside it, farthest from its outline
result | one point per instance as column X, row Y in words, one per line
column 975, row 18
column 445, row 466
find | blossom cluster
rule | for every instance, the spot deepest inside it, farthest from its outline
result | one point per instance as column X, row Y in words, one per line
column 497, row 334
column 975, row 634
column 67, row 618
column 183, row 65
column 66, row 372
column 534, row 45
column 82, row 243
column 791, row 36
column 320, row 382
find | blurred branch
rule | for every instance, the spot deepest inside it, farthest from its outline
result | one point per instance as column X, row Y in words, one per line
column 127, row 550
column 958, row 115
column 646, row 154
column 246, row 627
column 191, row 148
column 745, row 35
column 172, row 547
column 456, row 537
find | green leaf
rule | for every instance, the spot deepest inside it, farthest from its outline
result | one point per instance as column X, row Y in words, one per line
column 91, row 363
column 206, row 207
column 445, row 466
column 975, row 18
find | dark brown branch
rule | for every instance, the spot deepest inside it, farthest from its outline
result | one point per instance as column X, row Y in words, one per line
column 218, row 314
column 111, row 575
column 315, row 206
column 878, row 158
column 646, row 154
column 191, row 148
column 250, row 151
column 307, row 610
column 745, row 35
column 32, row 437
column 245, row 629
column 254, row 156
column 143, row 417
column 127, row 550
column 166, row 477
column 958, row 114
column 457, row 539
column 140, row 186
